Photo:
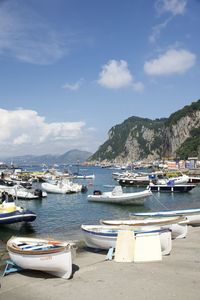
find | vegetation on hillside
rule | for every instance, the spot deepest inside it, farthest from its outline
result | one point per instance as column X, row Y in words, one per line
column 133, row 129
column 187, row 110
column 191, row 146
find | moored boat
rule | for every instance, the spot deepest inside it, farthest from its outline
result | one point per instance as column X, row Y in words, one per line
column 10, row 213
column 54, row 257
column 117, row 196
column 171, row 188
column 63, row 187
column 82, row 176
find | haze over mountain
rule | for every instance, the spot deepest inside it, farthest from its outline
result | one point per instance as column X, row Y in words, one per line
column 69, row 157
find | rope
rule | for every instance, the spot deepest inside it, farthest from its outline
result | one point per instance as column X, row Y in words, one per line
column 160, row 202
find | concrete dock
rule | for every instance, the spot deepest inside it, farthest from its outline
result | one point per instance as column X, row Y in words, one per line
column 177, row 276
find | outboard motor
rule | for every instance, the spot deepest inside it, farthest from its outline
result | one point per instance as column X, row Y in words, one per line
column 84, row 189
column 38, row 192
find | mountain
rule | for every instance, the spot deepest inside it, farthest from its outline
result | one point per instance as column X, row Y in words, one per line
column 69, row 157
column 141, row 138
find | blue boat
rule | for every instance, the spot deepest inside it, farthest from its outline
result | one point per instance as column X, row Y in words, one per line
column 10, row 213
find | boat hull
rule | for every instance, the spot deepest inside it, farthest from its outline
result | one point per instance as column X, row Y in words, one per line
column 104, row 237
column 133, row 182
column 136, row 198
column 17, row 216
column 58, row 264
column 55, row 261
column 172, row 189
column 54, row 189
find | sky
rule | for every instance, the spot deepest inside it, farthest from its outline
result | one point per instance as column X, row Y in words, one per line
column 72, row 69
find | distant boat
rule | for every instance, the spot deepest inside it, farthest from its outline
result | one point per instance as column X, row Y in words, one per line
column 171, row 188
column 20, row 192
column 134, row 181
column 54, row 257
column 173, row 180
column 82, row 176
column 10, row 213
column 64, row 186
column 117, row 196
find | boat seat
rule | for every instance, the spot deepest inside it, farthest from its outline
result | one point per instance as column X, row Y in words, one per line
column 38, row 247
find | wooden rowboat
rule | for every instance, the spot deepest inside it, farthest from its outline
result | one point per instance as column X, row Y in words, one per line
column 54, row 257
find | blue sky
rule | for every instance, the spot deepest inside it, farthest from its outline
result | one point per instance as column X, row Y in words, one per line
column 72, row 69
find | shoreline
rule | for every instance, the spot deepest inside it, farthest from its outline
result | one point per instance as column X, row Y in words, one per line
column 175, row 277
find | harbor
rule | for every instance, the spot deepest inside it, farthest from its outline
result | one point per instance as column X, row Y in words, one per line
column 93, row 271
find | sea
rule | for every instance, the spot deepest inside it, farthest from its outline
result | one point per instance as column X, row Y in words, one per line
column 61, row 216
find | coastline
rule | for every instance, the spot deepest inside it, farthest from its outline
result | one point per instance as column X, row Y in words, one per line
column 175, row 277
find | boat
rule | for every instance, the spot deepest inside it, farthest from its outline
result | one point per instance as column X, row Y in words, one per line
column 54, row 257
column 192, row 214
column 171, row 188
column 82, row 176
column 104, row 237
column 10, row 213
column 134, row 181
column 63, row 187
column 145, row 221
column 183, row 179
column 117, row 196
column 177, row 224
column 20, row 192
column 55, row 188
column 194, row 179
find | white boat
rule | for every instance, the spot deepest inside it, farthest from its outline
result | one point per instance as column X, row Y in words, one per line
column 192, row 214
column 18, row 191
column 144, row 221
column 117, row 196
column 104, row 237
column 55, row 188
column 174, row 180
column 54, row 257
column 22, row 193
column 82, row 176
column 177, row 224
column 62, row 187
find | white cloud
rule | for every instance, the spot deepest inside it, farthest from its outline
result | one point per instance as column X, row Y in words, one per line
column 25, row 132
column 73, row 86
column 156, row 31
column 175, row 7
column 115, row 74
column 26, row 36
column 171, row 62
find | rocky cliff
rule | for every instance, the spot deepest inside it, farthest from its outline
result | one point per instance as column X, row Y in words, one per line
column 141, row 138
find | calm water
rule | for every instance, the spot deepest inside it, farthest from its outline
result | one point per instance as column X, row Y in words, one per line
column 60, row 216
